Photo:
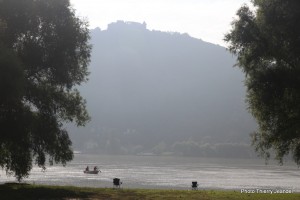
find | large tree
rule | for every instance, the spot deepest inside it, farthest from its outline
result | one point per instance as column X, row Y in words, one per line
column 44, row 55
column 266, row 40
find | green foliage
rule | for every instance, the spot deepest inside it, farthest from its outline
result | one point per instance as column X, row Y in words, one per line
column 44, row 54
column 267, row 44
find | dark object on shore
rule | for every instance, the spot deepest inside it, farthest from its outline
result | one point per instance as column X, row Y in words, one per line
column 194, row 185
column 116, row 182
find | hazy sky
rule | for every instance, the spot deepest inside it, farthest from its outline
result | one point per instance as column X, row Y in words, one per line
column 208, row 20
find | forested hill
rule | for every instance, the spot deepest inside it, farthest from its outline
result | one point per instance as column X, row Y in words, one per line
column 158, row 92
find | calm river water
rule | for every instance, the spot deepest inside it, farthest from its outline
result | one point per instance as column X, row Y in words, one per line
column 168, row 172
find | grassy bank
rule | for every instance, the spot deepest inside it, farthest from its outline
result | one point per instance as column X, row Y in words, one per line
column 24, row 191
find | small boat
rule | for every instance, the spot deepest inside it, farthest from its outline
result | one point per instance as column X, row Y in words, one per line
column 91, row 172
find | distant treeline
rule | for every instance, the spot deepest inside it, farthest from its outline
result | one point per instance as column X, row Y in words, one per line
column 133, row 143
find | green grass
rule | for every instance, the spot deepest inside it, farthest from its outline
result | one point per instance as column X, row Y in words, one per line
column 26, row 191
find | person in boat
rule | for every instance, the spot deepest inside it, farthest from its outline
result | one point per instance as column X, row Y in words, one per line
column 87, row 168
column 95, row 168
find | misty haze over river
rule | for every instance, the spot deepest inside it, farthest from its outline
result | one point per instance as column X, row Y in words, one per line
column 162, row 93
column 172, row 99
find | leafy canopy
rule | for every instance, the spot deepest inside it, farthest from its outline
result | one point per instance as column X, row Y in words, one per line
column 44, row 54
column 267, row 44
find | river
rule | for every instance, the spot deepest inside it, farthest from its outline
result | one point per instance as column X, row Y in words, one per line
column 168, row 173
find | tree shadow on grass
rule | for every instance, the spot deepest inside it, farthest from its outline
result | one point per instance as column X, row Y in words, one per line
column 26, row 191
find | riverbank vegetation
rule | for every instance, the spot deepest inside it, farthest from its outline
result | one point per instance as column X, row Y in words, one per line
column 25, row 191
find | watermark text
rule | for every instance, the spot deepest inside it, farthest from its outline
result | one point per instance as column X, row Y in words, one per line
column 266, row 191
